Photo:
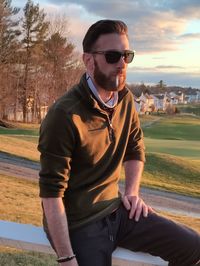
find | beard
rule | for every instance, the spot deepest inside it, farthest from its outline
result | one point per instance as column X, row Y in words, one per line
column 110, row 82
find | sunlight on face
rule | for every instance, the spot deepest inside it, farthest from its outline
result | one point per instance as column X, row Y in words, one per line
column 110, row 77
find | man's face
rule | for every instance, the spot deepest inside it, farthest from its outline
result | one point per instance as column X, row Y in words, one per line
column 110, row 77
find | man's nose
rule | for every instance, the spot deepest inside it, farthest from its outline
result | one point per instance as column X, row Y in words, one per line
column 121, row 63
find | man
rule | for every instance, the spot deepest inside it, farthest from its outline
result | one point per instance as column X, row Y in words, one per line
column 86, row 137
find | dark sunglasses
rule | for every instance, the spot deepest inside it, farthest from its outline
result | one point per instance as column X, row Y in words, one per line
column 113, row 57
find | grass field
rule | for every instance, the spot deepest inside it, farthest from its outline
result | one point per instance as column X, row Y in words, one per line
column 172, row 173
column 172, row 149
column 21, row 146
column 182, row 148
column 16, row 257
column 173, row 154
column 193, row 108
column 21, row 129
column 22, row 195
column 19, row 200
column 174, row 128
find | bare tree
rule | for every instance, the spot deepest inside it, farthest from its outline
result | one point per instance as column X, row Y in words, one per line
column 59, row 23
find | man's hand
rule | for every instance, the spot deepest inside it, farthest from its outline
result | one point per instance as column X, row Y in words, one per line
column 136, row 206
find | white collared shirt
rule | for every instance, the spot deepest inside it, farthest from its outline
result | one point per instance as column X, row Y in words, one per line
column 111, row 103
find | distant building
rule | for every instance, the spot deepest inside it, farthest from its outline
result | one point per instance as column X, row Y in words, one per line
column 193, row 97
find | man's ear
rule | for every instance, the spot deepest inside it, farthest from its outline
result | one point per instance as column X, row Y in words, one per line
column 88, row 61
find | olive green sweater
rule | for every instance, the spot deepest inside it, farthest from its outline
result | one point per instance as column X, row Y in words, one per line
column 82, row 149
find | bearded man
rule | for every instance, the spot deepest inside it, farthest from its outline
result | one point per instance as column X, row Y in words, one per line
column 88, row 135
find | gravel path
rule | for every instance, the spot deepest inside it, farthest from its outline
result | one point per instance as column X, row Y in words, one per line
column 164, row 201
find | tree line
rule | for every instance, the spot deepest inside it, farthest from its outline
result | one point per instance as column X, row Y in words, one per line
column 38, row 63
column 160, row 88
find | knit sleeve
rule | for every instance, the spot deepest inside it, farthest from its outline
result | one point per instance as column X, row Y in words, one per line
column 56, row 144
column 135, row 148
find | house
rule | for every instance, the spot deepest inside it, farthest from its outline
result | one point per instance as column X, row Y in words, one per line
column 16, row 114
column 137, row 103
column 158, row 101
column 145, row 103
column 176, row 97
column 193, row 96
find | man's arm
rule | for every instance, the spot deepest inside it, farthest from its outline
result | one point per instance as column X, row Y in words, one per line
column 58, row 228
column 131, row 199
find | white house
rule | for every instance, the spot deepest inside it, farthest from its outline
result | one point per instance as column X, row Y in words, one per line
column 194, row 96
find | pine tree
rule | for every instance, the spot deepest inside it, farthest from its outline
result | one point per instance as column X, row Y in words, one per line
column 34, row 29
column 8, row 31
column 8, row 45
column 58, row 57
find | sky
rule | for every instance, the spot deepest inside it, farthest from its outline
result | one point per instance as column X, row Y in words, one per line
column 164, row 33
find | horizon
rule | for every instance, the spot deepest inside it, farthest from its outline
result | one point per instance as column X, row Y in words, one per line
column 165, row 35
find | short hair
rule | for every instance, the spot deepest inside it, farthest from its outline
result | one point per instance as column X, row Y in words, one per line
column 102, row 27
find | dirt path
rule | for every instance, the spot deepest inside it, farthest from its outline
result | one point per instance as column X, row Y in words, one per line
column 18, row 167
column 164, row 201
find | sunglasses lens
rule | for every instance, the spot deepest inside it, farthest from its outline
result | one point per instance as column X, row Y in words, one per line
column 128, row 57
column 112, row 57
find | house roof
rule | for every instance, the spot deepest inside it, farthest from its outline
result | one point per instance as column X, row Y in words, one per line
column 159, row 96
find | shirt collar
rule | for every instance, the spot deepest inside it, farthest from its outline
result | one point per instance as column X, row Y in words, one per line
column 111, row 103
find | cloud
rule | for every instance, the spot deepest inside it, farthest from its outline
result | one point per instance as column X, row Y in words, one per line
column 190, row 36
column 158, row 57
column 153, row 75
column 154, row 26
column 156, row 32
column 195, row 71
column 184, row 8
column 169, row 67
column 180, row 8
column 75, row 19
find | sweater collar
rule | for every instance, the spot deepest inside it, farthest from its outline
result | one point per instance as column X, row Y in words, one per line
column 111, row 103
column 89, row 97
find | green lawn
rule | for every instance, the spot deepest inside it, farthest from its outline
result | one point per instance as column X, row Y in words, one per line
column 16, row 257
column 184, row 148
column 172, row 173
column 174, row 128
column 19, row 131
column 193, row 108
column 173, row 154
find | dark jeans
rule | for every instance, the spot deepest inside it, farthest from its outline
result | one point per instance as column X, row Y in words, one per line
column 175, row 243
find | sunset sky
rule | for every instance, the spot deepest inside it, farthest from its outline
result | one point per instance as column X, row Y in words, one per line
column 164, row 33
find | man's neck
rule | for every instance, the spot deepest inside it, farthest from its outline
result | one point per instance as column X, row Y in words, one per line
column 105, row 95
column 108, row 98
